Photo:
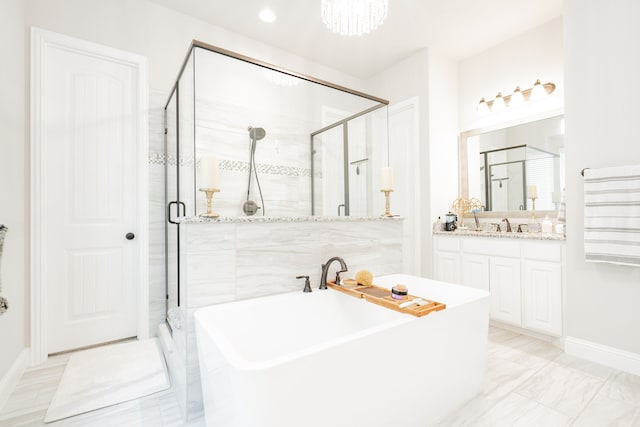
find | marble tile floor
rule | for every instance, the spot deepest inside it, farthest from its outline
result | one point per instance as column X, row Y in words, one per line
column 528, row 383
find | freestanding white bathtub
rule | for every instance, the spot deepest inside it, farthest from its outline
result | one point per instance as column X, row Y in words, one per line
column 329, row 359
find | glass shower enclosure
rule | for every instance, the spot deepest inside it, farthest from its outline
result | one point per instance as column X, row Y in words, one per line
column 506, row 172
column 296, row 145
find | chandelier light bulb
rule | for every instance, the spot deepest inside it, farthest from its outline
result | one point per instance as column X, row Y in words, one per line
column 353, row 17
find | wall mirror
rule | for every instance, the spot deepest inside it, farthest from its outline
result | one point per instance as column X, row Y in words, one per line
column 502, row 166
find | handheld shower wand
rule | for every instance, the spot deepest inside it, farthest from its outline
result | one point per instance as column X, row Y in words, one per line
column 250, row 207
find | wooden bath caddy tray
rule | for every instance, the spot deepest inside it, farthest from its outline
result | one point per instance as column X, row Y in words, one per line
column 382, row 296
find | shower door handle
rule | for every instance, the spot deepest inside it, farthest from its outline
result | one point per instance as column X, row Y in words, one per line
column 169, row 212
column 178, row 204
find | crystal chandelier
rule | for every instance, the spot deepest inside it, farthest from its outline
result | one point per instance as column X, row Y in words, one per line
column 353, row 17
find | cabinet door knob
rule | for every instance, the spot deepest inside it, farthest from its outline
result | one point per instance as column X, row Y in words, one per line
column 130, row 236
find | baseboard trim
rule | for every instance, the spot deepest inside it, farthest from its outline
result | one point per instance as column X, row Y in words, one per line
column 556, row 341
column 604, row 355
column 10, row 380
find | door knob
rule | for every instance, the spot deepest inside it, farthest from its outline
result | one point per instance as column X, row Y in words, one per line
column 130, row 236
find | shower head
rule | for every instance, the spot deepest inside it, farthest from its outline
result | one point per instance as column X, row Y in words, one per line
column 256, row 133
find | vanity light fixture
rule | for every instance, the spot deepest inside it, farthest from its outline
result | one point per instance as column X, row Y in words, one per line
column 516, row 99
column 353, row 17
column 267, row 15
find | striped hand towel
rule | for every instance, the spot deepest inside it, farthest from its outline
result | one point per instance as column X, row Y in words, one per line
column 612, row 215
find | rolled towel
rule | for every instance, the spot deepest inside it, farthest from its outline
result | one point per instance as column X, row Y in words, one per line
column 349, row 283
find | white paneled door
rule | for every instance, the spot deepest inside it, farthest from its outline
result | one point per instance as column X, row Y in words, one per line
column 89, row 104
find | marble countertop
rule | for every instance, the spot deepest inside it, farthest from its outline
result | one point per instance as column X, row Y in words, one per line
column 504, row 235
column 261, row 219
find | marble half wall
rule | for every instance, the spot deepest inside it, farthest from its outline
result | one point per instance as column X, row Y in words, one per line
column 238, row 258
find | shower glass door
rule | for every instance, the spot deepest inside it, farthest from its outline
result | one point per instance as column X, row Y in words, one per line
column 345, row 158
column 328, row 170
column 172, row 211
column 179, row 184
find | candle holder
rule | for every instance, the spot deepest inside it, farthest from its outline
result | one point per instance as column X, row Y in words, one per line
column 386, row 213
column 209, row 192
column 533, row 207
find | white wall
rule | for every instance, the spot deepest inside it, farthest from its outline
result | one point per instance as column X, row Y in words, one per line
column 14, row 197
column 602, row 67
column 408, row 79
column 160, row 34
column 536, row 54
column 443, row 133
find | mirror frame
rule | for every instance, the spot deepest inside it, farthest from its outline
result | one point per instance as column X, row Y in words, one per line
column 463, row 176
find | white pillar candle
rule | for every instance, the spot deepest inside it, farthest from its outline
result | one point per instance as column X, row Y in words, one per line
column 209, row 172
column 532, row 191
column 386, row 178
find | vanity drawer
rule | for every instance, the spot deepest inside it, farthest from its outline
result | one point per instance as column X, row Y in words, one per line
column 492, row 246
column 449, row 244
column 542, row 251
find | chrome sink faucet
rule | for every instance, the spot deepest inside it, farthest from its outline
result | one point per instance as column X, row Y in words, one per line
column 508, row 224
column 325, row 270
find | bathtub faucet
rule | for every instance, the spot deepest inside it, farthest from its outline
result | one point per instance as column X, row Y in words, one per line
column 325, row 270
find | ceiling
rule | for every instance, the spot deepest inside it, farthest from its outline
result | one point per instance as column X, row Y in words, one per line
column 457, row 28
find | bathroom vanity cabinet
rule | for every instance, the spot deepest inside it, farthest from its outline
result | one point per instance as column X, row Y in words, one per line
column 524, row 275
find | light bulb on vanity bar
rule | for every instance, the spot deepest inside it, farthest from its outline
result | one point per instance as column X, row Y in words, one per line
column 517, row 98
column 483, row 107
column 498, row 103
column 537, row 91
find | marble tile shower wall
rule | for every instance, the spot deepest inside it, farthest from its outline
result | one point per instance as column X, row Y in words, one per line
column 282, row 158
column 224, row 262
